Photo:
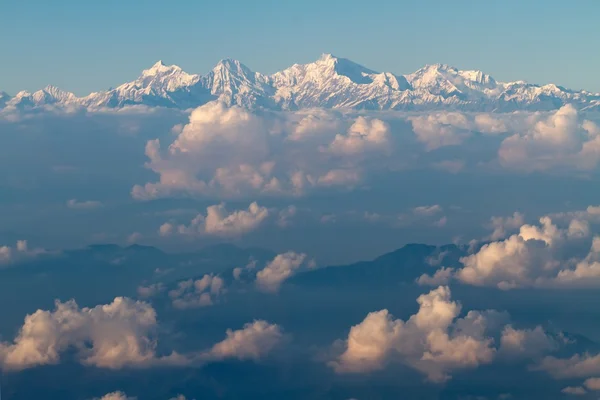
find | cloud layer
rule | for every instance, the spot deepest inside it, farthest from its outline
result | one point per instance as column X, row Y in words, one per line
column 199, row 293
column 233, row 152
column 435, row 341
column 282, row 267
column 254, row 341
column 221, row 223
column 123, row 334
column 562, row 254
column 18, row 253
column 111, row 336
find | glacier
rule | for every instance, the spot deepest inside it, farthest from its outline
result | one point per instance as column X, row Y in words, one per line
column 330, row 82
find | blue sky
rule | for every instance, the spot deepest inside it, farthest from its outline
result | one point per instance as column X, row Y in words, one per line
column 86, row 46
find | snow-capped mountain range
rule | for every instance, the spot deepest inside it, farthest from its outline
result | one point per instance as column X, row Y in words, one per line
column 329, row 82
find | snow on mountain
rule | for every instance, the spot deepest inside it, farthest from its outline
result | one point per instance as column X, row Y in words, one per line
column 234, row 83
column 48, row 95
column 329, row 82
column 446, row 81
column 160, row 85
column 333, row 82
column 593, row 105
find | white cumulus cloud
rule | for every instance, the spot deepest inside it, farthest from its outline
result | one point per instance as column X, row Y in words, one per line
column 20, row 252
column 199, row 293
column 118, row 395
column 115, row 335
column 363, row 135
column 429, row 341
column 560, row 139
column 282, row 267
column 544, row 255
column 220, row 222
column 253, row 342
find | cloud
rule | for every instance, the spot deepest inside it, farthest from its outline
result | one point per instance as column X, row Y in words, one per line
column 239, row 271
column 282, row 267
column 363, row 135
column 167, row 229
column 440, row 223
column 421, row 215
column 427, row 210
column 340, row 177
column 116, row 396
column 231, row 152
column 200, row 293
column 441, row 277
column 441, row 129
column 544, row 255
column 586, row 272
column 592, row 383
column 253, row 342
column 489, row 123
column 123, row 334
column 19, row 253
column 314, row 124
column 135, row 237
column 435, row 341
column 225, row 152
column 430, row 341
column 286, row 215
column 507, row 264
column 591, row 214
column 221, row 223
column 574, row 390
column 150, row 290
column 526, row 343
column 537, row 141
column 578, row 366
column 115, row 335
column 83, row 205
column 503, row 225
column 201, row 158
column 557, row 140
column 437, row 258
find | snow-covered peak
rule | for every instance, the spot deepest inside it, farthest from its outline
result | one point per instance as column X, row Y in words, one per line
column 478, row 77
column 448, row 81
column 48, row 95
column 328, row 67
column 161, row 78
column 334, row 82
column 234, row 83
column 326, row 58
column 54, row 94
column 22, row 94
column 344, row 67
column 160, row 68
column 165, row 77
column 432, row 70
column 233, row 68
column 160, row 85
column 328, row 82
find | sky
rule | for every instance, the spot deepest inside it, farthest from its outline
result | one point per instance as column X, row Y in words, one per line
column 89, row 46
column 296, row 241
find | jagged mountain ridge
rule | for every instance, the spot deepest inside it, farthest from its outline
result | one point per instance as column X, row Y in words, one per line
column 329, row 82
